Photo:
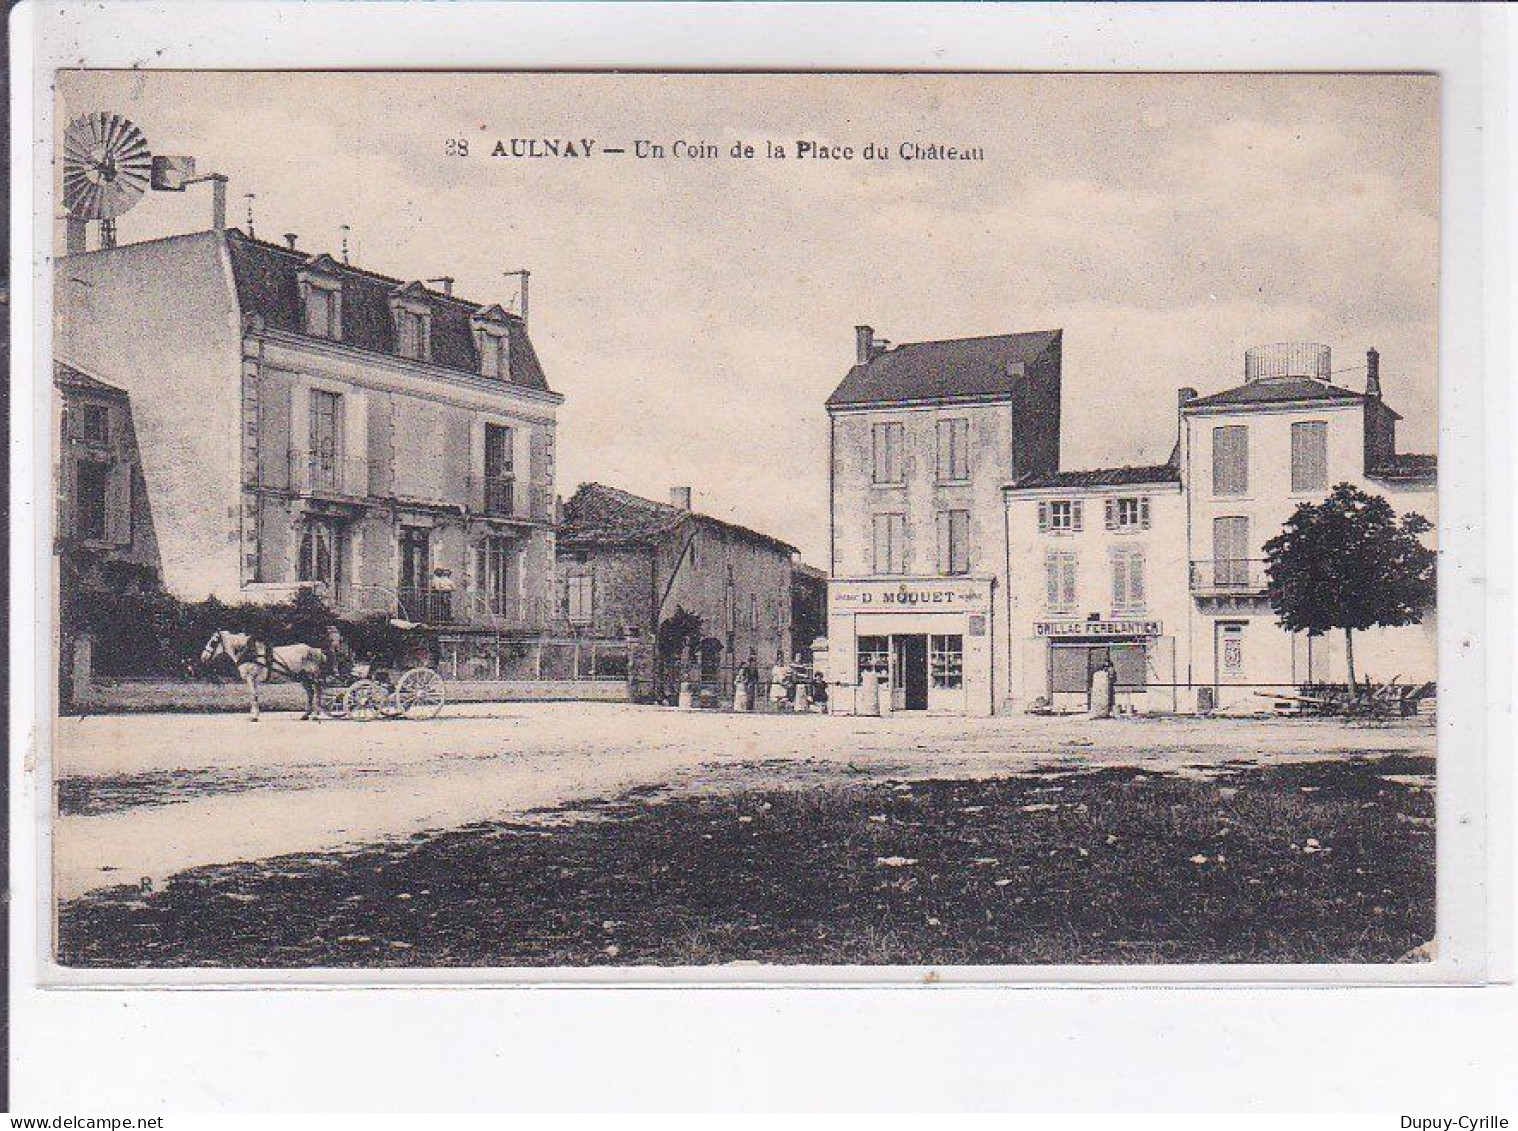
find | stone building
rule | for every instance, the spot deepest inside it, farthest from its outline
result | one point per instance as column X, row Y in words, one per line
column 306, row 423
column 104, row 527
column 923, row 436
column 704, row 591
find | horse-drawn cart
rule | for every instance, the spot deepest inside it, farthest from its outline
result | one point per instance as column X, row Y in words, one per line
column 418, row 693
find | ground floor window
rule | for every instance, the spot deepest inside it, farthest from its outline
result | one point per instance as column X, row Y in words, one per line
column 321, row 553
column 497, row 573
column 580, row 598
column 875, row 655
column 946, row 661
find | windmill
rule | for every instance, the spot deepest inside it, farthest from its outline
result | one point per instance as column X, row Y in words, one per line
column 107, row 167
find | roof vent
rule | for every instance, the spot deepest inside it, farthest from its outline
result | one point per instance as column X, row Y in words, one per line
column 1285, row 361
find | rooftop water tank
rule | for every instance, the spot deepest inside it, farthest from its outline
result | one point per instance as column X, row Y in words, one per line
column 1286, row 360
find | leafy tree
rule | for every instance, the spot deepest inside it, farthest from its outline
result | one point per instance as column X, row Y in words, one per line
column 1349, row 562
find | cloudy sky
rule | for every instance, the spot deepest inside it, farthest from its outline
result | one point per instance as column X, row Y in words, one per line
column 696, row 314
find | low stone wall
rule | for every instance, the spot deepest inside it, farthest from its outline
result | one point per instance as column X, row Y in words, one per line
column 106, row 696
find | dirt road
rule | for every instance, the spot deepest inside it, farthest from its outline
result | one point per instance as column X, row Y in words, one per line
column 150, row 795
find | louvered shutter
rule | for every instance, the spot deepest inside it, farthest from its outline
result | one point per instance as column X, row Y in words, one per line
column 1136, row 581
column 1144, row 511
column 1051, row 582
column 1043, row 518
column 945, row 542
column 1075, row 515
column 1069, row 581
column 1119, row 581
column 1111, row 508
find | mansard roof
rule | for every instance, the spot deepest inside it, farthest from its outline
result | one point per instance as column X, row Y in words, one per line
column 267, row 280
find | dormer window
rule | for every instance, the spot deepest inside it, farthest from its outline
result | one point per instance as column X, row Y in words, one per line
column 321, row 299
column 493, row 342
column 413, row 322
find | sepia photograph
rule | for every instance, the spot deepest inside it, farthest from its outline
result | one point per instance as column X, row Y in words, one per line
column 654, row 521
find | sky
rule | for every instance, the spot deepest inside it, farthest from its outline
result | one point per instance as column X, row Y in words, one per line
column 697, row 313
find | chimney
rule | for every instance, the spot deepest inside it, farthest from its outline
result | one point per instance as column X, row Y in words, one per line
column 290, row 240
column 1183, row 397
column 864, row 344
column 1372, row 373
column 446, row 282
column 680, row 497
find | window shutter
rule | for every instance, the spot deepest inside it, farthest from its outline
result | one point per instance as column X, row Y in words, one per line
column 1043, row 518
column 118, row 505
column 1075, row 515
column 1111, row 507
column 1136, row 580
column 1051, row 582
column 1119, row 581
column 945, row 450
column 1069, row 572
column 1144, row 511
column 945, row 543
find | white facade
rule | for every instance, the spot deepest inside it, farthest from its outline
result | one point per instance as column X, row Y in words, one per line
column 1097, row 572
column 1296, row 449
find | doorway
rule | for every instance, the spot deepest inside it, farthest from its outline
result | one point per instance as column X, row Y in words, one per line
column 909, row 656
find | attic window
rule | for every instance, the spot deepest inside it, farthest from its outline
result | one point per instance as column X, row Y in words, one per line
column 495, row 353
column 321, row 302
column 413, row 327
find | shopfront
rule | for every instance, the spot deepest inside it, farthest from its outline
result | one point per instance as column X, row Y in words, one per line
column 925, row 644
column 1064, row 653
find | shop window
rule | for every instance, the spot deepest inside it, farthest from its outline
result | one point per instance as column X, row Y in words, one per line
column 1060, row 516
column 953, row 451
column 875, row 655
column 1230, row 460
column 1129, row 513
column 1059, row 582
column 1309, row 456
column 946, row 661
column 886, row 444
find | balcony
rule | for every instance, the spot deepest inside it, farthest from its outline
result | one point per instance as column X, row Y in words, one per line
column 330, row 476
column 426, row 605
column 1229, row 577
column 502, row 496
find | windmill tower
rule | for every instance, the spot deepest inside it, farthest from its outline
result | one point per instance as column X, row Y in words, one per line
column 107, row 167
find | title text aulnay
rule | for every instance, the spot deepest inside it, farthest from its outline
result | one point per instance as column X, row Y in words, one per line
column 681, row 149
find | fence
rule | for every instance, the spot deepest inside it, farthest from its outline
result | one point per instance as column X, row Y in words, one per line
column 495, row 659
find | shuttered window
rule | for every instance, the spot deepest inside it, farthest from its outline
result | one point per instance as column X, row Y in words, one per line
column 1127, row 582
column 890, row 535
column 1309, row 455
column 953, row 451
column 1230, row 460
column 1059, row 582
column 1060, row 516
column 954, row 542
column 1128, row 513
column 886, row 456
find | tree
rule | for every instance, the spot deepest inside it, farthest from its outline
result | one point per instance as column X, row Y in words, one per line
column 1349, row 562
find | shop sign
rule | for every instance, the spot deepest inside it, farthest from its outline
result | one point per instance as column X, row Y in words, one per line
column 1097, row 628
column 930, row 597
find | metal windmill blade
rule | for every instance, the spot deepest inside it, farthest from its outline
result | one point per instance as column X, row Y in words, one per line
column 106, row 166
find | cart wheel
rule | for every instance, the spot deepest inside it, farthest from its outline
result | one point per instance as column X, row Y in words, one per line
column 363, row 701
column 419, row 693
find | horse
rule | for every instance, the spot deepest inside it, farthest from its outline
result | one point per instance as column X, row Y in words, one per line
column 258, row 662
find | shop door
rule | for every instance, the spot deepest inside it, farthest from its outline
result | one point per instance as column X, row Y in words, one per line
column 912, row 671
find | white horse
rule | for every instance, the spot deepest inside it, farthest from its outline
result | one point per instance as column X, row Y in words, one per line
column 258, row 662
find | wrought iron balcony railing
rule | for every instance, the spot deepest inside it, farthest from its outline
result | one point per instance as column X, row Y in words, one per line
column 1222, row 576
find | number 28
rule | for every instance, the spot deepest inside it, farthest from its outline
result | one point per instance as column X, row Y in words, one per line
column 456, row 147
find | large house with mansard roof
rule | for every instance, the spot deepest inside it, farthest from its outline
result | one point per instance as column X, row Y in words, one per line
column 303, row 422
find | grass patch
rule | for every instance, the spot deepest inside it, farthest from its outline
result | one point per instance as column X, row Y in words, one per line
column 1315, row 862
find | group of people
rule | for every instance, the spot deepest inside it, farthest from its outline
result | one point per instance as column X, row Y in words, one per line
column 795, row 685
